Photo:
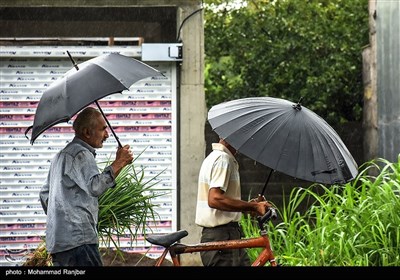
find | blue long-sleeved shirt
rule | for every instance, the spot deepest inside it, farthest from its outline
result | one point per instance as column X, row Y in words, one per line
column 70, row 194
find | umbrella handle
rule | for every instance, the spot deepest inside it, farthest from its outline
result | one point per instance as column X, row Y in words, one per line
column 26, row 132
column 108, row 123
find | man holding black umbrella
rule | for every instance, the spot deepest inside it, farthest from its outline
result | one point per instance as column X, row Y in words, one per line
column 70, row 194
column 219, row 205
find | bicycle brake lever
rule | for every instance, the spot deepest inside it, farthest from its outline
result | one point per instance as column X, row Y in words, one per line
column 273, row 214
column 270, row 214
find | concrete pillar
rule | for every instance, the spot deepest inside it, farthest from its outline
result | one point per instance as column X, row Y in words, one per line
column 193, row 114
column 370, row 114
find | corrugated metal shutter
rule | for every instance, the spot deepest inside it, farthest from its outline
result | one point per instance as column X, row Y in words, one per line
column 388, row 73
column 143, row 117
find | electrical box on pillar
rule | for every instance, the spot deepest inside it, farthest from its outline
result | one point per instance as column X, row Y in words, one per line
column 162, row 52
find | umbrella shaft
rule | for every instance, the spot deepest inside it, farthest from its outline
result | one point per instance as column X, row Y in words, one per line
column 108, row 123
column 266, row 183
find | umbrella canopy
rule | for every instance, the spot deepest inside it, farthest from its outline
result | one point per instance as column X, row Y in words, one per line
column 285, row 137
column 85, row 84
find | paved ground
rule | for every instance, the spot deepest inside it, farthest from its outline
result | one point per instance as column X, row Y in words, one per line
column 110, row 258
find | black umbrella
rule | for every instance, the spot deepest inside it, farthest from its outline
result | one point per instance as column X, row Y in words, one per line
column 85, row 84
column 285, row 137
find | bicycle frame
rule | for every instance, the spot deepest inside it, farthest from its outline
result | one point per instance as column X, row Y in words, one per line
column 169, row 242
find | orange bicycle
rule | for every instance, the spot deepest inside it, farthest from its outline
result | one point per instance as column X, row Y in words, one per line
column 171, row 245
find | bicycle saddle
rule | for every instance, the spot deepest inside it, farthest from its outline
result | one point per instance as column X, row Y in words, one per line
column 167, row 240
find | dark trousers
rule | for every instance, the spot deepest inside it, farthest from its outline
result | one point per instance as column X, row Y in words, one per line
column 84, row 255
column 232, row 257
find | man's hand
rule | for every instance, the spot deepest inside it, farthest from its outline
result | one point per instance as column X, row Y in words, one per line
column 259, row 198
column 123, row 157
column 262, row 206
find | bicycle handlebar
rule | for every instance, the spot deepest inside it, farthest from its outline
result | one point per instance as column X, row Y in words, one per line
column 270, row 214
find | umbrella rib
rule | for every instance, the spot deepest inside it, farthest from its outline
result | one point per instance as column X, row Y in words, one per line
column 278, row 127
column 324, row 144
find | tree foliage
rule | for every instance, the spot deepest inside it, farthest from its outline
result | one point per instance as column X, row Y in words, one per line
column 288, row 49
